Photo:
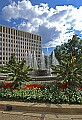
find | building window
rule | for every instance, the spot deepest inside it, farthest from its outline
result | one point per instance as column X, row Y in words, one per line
column 14, row 32
column 4, row 29
column 3, row 44
column 3, row 35
column 11, row 31
column 40, row 38
column 3, row 48
column 0, row 28
column 0, row 34
column 32, row 36
column 0, row 44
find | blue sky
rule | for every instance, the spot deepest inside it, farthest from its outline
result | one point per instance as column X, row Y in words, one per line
column 55, row 20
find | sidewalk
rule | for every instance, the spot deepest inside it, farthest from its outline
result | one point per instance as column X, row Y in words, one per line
column 40, row 111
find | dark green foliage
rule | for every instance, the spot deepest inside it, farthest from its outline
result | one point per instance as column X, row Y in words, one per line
column 70, row 71
column 17, row 71
column 12, row 60
column 50, row 95
column 70, row 68
column 73, row 46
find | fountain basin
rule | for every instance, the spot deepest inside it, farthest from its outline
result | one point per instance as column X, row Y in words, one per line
column 39, row 73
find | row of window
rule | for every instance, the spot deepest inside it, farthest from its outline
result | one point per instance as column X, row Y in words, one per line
column 22, row 56
column 22, row 42
column 22, row 53
column 6, row 61
column 18, row 38
column 20, row 49
column 19, row 33
column 25, row 44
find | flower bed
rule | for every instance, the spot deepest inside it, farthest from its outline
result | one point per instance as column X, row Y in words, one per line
column 31, row 86
column 62, row 86
column 42, row 93
column 7, row 85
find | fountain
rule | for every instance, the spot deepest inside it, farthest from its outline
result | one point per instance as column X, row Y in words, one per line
column 54, row 60
column 35, row 65
column 27, row 59
column 31, row 60
column 43, row 73
column 43, row 62
column 48, row 62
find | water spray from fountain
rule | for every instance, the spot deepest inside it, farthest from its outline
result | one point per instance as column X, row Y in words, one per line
column 31, row 60
column 54, row 60
column 48, row 59
column 26, row 59
column 35, row 66
column 43, row 62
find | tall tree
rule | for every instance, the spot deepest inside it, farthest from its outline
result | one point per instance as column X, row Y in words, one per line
column 70, row 56
column 73, row 46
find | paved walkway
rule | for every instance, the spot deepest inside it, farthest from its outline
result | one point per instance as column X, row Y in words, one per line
column 40, row 111
column 13, row 115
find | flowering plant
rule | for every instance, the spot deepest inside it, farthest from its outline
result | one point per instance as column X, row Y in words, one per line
column 7, row 85
column 31, row 86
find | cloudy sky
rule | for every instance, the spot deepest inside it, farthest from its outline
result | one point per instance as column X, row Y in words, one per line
column 55, row 20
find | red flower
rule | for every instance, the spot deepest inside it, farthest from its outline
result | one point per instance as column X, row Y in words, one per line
column 63, row 85
column 31, row 86
column 7, row 85
column 79, row 87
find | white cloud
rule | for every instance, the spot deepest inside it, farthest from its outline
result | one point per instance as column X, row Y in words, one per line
column 55, row 26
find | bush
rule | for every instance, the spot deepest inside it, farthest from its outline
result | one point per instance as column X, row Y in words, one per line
column 49, row 94
column 17, row 71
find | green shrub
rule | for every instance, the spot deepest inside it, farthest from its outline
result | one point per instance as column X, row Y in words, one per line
column 50, row 95
column 70, row 71
column 17, row 71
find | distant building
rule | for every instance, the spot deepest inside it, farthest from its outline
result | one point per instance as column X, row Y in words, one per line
column 20, row 43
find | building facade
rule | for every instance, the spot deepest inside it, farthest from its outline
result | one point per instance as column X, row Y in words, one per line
column 19, row 42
